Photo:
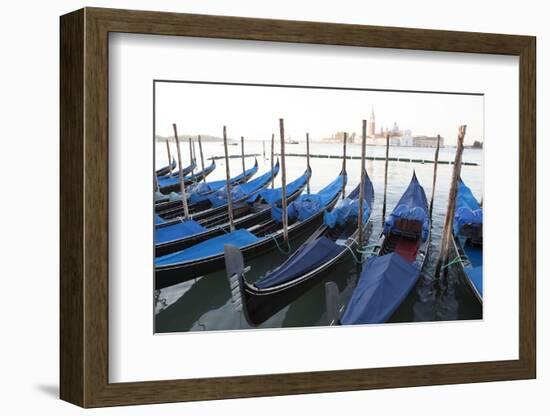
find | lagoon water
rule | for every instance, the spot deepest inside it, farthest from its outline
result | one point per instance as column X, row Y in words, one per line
column 204, row 303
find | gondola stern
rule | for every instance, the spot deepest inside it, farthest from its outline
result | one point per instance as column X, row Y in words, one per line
column 235, row 270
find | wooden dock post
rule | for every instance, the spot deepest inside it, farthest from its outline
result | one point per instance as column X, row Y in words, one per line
column 436, row 158
column 272, row 156
column 242, row 153
column 344, row 164
column 157, row 186
column 283, row 180
column 362, row 187
column 182, row 179
column 169, row 158
column 228, row 182
column 307, row 155
column 386, row 178
column 451, row 204
column 191, row 156
column 202, row 159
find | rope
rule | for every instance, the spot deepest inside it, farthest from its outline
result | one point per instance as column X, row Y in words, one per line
column 353, row 255
column 286, row 253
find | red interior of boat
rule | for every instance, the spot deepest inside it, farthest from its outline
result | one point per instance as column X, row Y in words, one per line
column 407, row 248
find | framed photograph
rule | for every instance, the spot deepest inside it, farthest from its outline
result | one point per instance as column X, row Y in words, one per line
column 255, row 207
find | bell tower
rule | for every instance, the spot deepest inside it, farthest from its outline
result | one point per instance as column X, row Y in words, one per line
column 372, row 123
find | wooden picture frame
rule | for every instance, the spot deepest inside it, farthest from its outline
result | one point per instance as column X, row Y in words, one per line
column 84, row 207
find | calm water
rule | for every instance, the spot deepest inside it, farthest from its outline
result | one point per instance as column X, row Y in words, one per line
column 204, row 303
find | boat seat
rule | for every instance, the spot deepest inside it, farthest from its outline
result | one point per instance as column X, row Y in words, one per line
column 407, row 228
column 407, row 248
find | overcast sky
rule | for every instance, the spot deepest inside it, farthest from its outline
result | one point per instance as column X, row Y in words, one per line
column 254, row 112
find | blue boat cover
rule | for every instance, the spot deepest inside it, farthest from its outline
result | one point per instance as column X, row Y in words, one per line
column 238, row 192
column 158, row 219
column 170, row 180
column 383, row 285
column 348, row 208
column 467, row 211
column 475, row 273
column 208, row 248
column 199, row 191
column 273, row 196
column 306, row 258
column 308, row 205
column 412, row 206
column 314, row 253
column 177, row 231
column 160, row 197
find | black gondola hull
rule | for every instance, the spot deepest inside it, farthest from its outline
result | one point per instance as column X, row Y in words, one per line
column 175, row 187
column 242, row 220
column 260, row 305
column 170, row 275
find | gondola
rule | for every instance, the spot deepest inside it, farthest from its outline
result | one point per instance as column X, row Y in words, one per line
column 304, row 213
column 398, row 259
column 199, row 191
column 332, row 242
column 468, row 239
column 255, row 209
column 166, row 169
column 216, row 203
column 172, row 183
column 175, row 172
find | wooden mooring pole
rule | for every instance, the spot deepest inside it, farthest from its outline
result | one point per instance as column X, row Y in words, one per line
column 436, row 158
column 272, row 156
column 191, row 155
column 451, row 204
column 182, row 179
column 169, row 158
column 307, row 155
column 242, row 153
column 202, row 159
column 228, row 182
column 386, row 178
column 362, row 187
column 283, row 180
column 344, row 164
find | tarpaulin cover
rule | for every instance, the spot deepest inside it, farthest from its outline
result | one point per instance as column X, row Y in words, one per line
column 306, row 258
column 383, row 285
column 170, row 180
column 208, row 248
column 308, row 205
column 238, row 192
column 468, row 211
column 348, row 208
column 273, row 196
column 160, row 197
column 177, row 231
column 199, row 191
column 412, row 206
column 158, row 219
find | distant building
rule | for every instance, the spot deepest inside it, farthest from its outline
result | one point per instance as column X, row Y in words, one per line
column 427, row 141
column 397, row 136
